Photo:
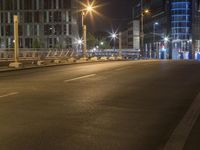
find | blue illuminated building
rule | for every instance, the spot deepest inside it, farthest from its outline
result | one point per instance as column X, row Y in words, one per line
column 179, row 21
column 181, row 28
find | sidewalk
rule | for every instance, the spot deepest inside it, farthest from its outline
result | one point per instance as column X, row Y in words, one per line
column 187, row 133
column 193, row 141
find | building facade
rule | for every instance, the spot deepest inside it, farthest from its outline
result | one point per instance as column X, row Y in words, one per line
column 172, row 29
column 42, row 23
column 131, row 36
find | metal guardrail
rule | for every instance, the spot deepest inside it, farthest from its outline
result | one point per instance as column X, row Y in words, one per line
column 35, row 54
column 7, row 55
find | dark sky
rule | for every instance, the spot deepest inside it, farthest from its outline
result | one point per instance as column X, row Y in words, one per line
column 116, row 14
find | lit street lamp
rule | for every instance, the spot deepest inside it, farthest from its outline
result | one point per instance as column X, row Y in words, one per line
column 154, row 45
column 166, row 39
column 114, row 36
column 80, row 42
column 88, row 9
column 143, row 12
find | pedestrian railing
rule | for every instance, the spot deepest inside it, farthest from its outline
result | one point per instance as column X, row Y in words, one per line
column 7, row 55
column 35, row 54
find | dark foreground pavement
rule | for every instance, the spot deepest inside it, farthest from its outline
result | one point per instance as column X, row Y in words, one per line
column 100, row 106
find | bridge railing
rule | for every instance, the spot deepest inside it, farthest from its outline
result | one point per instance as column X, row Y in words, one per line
column 52, row 54
column 36, row 54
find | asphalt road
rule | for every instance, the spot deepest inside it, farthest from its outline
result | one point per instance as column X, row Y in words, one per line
column 100, row 106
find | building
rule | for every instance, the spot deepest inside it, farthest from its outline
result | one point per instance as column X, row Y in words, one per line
column 157, row 29
column 124, row 36
column 131, row 36
column 171, row 29
column 42, row 23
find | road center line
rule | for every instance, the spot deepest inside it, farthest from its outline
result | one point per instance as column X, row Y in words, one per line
column 182, row 131
column 9, row 94
column 79, row 78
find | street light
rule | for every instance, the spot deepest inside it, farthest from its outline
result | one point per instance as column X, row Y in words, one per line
column 154, row 45
column 143, row 12
column 146, row 11
column 79, row 43
column 114, row 36
column 166, row 39
column 88, row 9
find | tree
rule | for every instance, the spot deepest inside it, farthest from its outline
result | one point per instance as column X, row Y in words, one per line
column 91, row 41
column 100, row 41
column 37, row 43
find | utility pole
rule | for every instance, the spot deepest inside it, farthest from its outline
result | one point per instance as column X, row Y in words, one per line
column 155, row 50
column 142, row 30
column 16, row 39
column 16, row 63
column 120, row 46
column 84, row 30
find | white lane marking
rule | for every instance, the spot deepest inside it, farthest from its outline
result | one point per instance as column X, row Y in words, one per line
column 9, row 94
column 182, row 131
column 119, row 69
column 122, row 68
column 79, row 78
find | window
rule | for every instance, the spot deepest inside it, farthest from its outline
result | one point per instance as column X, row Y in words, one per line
column 28, row 42
column 47, row 4
column 8, row 5
column 36, row 4
column 57, row 16
column 2, row 31
column 37, row 17
column 9, row 30
column 15, row 4
column 66, row 29
column 28, row 17
column 28, row 4
column 2, row 17
column 1, row 6
column 58, row 29
column 66, row 4
column 48, row 29
column 20, row 30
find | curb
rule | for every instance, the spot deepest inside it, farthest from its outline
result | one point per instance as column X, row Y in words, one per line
column 76, row 63
column 54, row 65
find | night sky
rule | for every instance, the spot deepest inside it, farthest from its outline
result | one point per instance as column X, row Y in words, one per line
column 116, row 15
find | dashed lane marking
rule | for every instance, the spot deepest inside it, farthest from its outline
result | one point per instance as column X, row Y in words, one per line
column 9, row 94
column 79, row 78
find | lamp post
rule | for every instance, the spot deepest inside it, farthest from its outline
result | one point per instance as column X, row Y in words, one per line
column 84, row 34
column 154, row 45
column 16, row 63
column 88, row 9
column 143, row 12
column 166, row 40
column 114, row 36
column 120, row 45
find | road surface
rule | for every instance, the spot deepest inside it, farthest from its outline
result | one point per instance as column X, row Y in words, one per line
column 133, row 105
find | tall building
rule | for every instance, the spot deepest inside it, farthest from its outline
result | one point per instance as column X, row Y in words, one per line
column 131, row 34
column 172, row 29
column 42, row 23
